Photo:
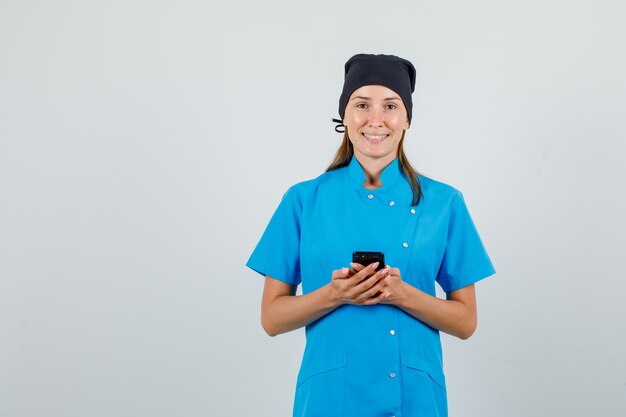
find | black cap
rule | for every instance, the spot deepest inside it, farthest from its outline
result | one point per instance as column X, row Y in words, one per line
column 391, row 71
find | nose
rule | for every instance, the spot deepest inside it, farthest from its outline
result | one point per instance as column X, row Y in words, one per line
column 376, row 117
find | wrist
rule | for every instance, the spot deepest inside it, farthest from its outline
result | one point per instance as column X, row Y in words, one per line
column 331, row 296
column 404, row 295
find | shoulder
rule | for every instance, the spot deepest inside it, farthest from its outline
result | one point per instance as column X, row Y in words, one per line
column 307, row 189
column 438, row 190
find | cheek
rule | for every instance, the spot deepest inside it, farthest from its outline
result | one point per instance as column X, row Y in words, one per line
column 355, row 120
column 398, row 122
column 353, row 136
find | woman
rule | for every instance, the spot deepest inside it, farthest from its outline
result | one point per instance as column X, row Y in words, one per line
column 373, row 346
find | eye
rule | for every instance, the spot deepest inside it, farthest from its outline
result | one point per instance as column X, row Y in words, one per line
column 391, row 106
column 361, row 105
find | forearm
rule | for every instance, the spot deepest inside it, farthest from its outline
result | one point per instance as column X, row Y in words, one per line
column 290, row 312
column 449, row 316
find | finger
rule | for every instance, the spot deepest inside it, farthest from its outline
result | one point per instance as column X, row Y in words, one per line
column 394, row 271
column 368, row 283
column 356, row 266
column 379, row 299
column 340, row 273
column 371, row 301
column 365, row 272
column 351, row 272
column 373, row 290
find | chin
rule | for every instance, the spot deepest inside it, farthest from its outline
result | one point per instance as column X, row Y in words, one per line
column 375, row 154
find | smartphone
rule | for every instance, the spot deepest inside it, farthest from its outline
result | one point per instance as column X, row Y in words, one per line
column 366, row 258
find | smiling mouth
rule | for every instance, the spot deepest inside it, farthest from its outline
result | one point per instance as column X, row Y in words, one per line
column 374, row 138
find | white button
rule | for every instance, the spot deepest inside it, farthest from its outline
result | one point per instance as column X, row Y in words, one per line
column 370, row 196
column 392, row 375
column 412, row 211
column 392, row 332
column 406, row 245
column 392, row 203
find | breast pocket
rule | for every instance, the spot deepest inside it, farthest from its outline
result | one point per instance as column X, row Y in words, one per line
column 320, row 389
column 423, row 388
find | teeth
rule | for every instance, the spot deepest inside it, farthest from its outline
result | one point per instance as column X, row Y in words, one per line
column 373, row 136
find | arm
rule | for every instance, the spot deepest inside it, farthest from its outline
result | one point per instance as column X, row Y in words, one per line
column 283, row 311
column 456, row 315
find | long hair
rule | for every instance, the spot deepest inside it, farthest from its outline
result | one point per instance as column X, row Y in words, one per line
column 345, row 152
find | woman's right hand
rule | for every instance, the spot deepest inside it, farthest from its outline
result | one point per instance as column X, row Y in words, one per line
column 360, row 288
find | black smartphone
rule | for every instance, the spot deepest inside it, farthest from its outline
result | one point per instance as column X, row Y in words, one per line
column 366, row 258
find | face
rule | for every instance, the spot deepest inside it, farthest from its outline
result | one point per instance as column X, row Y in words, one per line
column 375, row 119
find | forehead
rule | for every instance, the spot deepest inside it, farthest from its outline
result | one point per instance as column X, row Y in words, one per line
column 374, row 92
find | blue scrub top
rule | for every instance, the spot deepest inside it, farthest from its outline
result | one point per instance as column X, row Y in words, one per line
column 362, row 361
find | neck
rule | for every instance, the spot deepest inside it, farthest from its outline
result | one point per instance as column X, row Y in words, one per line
column 373, row 167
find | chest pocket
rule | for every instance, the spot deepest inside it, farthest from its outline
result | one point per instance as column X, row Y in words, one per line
column 320, row 389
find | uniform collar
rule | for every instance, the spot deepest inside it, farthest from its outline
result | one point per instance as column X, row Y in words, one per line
column 391, row 176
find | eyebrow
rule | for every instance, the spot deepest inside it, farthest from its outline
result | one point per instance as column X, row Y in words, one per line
column 369, row 98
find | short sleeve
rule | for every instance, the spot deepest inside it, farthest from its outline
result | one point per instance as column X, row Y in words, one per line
column 465, row 260
column 277, row 254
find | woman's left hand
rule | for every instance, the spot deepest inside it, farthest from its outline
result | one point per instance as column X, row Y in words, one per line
column 393, row 287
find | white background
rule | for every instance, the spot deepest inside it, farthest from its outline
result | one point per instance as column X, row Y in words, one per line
column 145, row 144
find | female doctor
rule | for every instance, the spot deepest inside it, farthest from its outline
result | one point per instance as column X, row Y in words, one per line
column 372, row 337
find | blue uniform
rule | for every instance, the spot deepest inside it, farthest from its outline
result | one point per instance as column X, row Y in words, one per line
column 371, row 361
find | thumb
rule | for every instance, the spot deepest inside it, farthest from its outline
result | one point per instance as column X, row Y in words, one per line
column 340, row 273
